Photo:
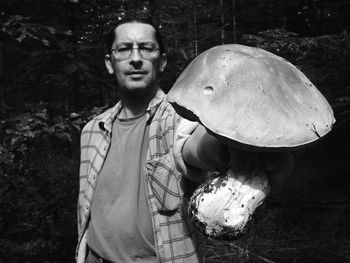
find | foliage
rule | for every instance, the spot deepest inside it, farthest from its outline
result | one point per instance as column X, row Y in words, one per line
column 56, row 56
column 52, row 73
column 58, row 68
column 39, row 156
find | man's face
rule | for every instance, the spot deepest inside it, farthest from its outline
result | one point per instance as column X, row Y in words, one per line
column 135, row 74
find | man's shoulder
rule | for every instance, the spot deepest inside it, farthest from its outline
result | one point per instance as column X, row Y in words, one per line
column 166, row 109
column 166, row 117
column 93, row 124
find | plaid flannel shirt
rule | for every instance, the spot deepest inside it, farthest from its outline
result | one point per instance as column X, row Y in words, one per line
column 173, row 231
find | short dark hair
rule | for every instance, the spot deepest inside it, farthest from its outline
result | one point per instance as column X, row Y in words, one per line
column 110, row 38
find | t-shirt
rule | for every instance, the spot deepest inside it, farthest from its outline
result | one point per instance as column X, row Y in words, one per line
column 120, row 229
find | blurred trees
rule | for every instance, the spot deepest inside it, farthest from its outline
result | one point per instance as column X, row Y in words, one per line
column 52, row 51
column 53, row 80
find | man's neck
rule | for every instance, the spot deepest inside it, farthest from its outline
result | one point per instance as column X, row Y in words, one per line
column 136, row 104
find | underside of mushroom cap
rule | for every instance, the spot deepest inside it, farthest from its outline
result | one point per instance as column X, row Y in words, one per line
column 251, row 97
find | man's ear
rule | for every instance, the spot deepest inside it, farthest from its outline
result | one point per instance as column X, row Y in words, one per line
column 108, row 64
column 163, row 61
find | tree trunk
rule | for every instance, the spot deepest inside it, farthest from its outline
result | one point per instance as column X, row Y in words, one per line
column 74, row 20
column 2, row 90
column 234, row 21
column 195, row 42
column 222, row 22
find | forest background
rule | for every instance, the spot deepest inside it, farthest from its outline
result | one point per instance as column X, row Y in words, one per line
column 53, row 80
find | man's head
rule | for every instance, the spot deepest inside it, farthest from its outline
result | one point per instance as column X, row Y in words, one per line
column 135, row 56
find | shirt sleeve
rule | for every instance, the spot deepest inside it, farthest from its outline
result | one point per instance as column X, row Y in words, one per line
column 183, row 131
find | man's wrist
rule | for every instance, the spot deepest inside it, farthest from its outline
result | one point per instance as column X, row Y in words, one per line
column 204, row 151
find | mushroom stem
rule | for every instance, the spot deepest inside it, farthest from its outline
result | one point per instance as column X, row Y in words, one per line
column 244, row 161
column 223, row 206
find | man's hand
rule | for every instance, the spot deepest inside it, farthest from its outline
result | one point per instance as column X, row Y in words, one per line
column 204, row 151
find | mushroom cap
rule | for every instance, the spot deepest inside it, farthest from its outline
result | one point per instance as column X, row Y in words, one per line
column 250, row 97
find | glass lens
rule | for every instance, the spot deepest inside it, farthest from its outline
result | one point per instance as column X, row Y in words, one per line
column 125, row 52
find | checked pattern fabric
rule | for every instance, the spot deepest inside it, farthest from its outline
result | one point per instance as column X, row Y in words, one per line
column 173, row 231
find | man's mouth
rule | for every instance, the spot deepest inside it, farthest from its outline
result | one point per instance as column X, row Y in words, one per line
column 136, row 72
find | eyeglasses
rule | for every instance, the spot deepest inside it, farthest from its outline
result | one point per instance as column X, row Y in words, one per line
column 125, row 52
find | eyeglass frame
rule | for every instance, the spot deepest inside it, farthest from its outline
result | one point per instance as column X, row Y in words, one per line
column 114, row 51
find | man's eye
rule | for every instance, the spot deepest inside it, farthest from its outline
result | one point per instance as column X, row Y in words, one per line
column 123, row 49
column 146, row 49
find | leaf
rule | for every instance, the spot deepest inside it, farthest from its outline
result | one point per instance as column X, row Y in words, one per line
column 22, row 148
column 20, row 18
column 64, row 136
column 22, row 36
column 7, row 158
column 76, row 126
column 97, row 110
column 13, row 141
column 45, row 42
column 68, row 32
column 74, row 115
column 2, row 149
column 183, row 53
column 52, row 30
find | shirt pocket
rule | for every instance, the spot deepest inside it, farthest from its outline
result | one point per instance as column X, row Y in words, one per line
column 165, row 184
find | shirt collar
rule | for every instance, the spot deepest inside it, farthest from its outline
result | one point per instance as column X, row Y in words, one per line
column 106, row 122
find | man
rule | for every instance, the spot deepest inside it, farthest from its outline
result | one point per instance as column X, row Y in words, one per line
column 132, row 205
column 131, row 201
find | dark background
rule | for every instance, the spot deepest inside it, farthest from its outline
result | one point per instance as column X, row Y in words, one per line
column 53, row 80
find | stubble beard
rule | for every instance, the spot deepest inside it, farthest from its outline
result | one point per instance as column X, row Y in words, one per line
column 138, row 93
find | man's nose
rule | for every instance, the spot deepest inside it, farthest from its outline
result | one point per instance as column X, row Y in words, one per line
column 135, row 54
column 135, row 57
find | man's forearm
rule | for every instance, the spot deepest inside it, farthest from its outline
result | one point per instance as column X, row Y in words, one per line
column 204, row 151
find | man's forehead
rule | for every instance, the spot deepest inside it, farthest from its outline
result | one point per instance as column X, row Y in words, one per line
column 135, row 31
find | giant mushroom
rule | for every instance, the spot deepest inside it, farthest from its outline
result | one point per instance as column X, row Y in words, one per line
column 254, row 101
